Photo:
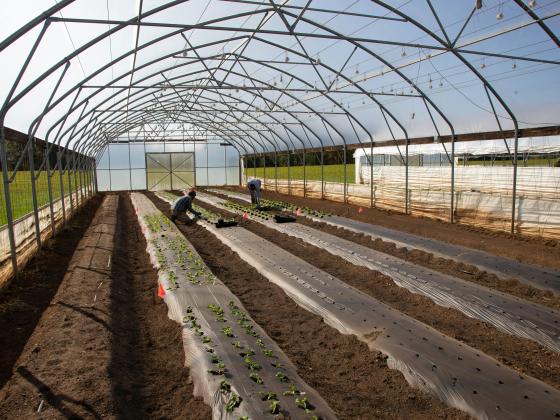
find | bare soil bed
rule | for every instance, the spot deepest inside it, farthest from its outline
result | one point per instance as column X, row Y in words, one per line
column 104, row 350
column 22, row 303
column 426, row 259
column 524, row 355
column 355, row 381
column 529, row 250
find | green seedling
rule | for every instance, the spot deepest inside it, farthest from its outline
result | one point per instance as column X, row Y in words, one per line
column 268, row 353
column 251, row 364
column 267, row 396
column 216, row 372
column 206, row 339
column 233, row 403
column 281, row 377
column 292, row 390
column 260, row 343
column 236, row 344
column 304, row 404
column 215, row 358
column 277, row 365
column 228, row 331
column 274, row 406
column 256, row 378
column 221, row 365
column 188, row 317
column 225, row 387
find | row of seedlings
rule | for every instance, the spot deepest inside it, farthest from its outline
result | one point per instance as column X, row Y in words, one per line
column 508, row 314
column 240, row 371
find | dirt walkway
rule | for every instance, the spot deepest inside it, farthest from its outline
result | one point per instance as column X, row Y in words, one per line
column 23, row 302
column 104, row 348
column 529, row 250
column 355, row 381
column 524, row 355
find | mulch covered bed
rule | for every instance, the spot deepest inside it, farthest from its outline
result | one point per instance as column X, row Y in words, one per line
column 354, row 381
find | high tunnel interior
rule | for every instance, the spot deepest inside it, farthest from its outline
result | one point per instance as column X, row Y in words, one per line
column 271, row 77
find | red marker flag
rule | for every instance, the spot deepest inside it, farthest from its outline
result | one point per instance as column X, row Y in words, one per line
column 298, row 212
column 245, row 215
column 360, row 210
column 161, row 291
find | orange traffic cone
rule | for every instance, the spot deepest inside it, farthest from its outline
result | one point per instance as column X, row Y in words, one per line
column 161, row 291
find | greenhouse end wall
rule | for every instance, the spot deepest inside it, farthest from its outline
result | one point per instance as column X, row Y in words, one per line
column 122, row 166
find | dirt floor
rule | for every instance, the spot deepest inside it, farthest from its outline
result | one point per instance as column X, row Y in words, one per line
column 103, row 347
column 530, row 250
column 456, row 269
column 523, row 355
column 354, row 381
column 24, row 300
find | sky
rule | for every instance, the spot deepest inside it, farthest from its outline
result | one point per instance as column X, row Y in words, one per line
column 457, row 98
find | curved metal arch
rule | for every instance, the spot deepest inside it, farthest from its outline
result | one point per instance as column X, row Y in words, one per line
column 158, row 40
column 237, row 110
column 164, row 112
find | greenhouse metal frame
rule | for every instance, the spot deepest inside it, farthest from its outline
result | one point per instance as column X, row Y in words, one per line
column 214, row 93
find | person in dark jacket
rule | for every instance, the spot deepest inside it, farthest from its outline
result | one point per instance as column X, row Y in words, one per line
column 183, row 205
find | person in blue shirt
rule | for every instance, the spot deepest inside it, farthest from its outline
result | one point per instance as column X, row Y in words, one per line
column 183, row 205
column 255, row 189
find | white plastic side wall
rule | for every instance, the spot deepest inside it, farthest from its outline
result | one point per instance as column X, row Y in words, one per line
column 24, row 232
column 482, row 195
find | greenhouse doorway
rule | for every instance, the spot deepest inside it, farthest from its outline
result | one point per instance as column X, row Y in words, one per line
column 170, row 171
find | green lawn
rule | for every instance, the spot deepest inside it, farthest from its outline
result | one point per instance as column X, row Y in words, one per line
column 332, row 173
column 20, row 193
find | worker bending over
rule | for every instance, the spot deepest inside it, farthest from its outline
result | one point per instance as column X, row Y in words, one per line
column 255, row 189
column 184, row 204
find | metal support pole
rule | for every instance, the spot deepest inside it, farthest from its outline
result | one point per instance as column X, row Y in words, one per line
column 406, row 196
column 34, row 193
column 322, row 172
column 95, row 186
column 289, row 175
column 69, row 169
column 452, row 216
column 60, row 175
column 264, row 168
column 345, row 176
column 80, row 173
column 275, row 170
column 241, row 169
column 49, row 188
column 514, row 192
column 370, row 173
column 8, row 200
column 75, row 167
column 304, row 172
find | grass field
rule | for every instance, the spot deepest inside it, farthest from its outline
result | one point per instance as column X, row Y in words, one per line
column 332, row 173
column 20, row 193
